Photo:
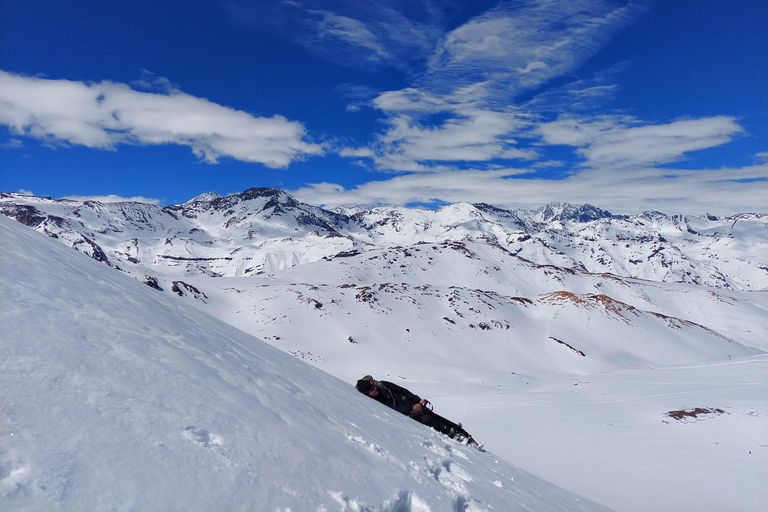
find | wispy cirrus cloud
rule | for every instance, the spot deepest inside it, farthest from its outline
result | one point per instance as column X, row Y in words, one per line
column 105, row 114
column 12, row 144
column 519, row 45
column 344, row 30
column 387, row 33
column 580, row 95
column 719, row 191
column 465, row 77
column 463, row 107
column 623, row 171
column 619, row 142
column 462, row 117
column 469, row 132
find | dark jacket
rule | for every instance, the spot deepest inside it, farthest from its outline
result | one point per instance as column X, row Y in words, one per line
column 396, row 397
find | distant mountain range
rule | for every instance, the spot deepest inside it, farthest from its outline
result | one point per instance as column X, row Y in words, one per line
column 265, row 230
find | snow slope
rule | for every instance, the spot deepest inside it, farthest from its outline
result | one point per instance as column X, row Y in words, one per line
column 117, row 397
column 576, row 385
column 562, row 338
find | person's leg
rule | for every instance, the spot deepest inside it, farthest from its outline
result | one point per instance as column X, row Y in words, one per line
column 425, row 418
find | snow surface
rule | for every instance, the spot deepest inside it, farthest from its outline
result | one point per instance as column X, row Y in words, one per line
column 561, row 338
column 118, row 397
column 596, row 423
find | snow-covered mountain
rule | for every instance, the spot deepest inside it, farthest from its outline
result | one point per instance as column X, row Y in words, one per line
column 550, row 334
column 264, row 230
column 118, row 398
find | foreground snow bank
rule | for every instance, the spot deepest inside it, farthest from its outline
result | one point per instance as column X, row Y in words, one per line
column 117, row 398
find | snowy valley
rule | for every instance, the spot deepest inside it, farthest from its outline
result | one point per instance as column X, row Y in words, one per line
column 620, row 357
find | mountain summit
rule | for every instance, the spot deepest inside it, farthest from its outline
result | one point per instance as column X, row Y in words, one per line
column 569, row 212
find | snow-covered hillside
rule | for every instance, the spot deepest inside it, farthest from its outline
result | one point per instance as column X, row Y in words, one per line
column 562, row 338
column 115, row 397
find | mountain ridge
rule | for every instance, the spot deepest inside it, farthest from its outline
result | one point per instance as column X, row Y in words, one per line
column 656, row 246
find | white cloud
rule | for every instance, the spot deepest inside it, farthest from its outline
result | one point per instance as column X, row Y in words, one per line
column 548, row 163
column 12, row 144
column 111, row 198
column 619, row 142
column 466, row 131
column 459, row 108
column 520, row 45
column 478, row 135
column 354, row 32
column 470, row 132
column 103, row 115
column 717, row 191
column 464, row 80
column 349, row 32
column 357, row 153
column 532, row 66
column 589, row 94
column 623, row 170
column 153, row 83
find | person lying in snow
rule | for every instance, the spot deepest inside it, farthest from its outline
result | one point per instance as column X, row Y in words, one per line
column 405, row 402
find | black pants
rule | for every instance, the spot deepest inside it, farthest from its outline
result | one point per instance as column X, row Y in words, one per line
column 432, row 420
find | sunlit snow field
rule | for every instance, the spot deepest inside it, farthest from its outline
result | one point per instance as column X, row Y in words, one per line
column 637, row 394
column 115, row 397
column 608, row 435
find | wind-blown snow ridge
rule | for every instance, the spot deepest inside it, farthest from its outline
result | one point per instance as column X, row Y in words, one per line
column 118, row 398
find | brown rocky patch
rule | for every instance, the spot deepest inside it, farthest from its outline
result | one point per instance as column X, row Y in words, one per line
column 684, row 414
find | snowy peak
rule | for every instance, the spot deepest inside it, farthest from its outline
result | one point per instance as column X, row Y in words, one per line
column 259, row 204
column 205, row 197
column 568, row 212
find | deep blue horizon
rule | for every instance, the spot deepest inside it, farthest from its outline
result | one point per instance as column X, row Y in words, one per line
column 629, row 106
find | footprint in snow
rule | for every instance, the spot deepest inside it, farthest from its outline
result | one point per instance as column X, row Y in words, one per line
column 202, row 437
column 12, row 476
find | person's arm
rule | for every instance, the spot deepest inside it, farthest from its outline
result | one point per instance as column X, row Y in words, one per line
column 415, row 402
column 401, row 391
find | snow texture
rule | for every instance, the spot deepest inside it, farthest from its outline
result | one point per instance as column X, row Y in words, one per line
column 118, row 397
column 620, row 357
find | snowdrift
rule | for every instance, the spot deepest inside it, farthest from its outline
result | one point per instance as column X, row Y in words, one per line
column 117, row 397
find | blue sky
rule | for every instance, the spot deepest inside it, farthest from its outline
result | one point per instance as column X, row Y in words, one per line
column 628, row 105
